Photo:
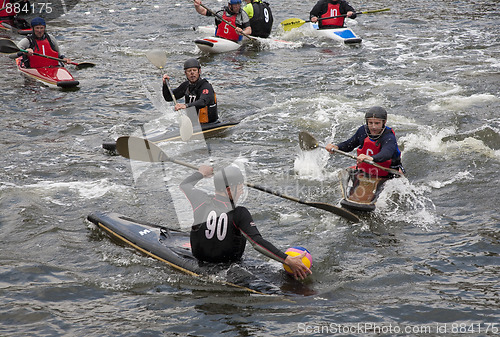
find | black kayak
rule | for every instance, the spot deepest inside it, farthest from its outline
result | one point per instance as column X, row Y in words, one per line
column 173, row 247
column 207, row 130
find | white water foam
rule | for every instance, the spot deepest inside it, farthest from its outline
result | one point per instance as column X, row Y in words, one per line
column 403, row 201
column 84, row 189
column 457, row 103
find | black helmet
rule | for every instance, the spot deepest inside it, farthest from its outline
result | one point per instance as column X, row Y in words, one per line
column 191, row 63
column 228, row 176
column 376, row 112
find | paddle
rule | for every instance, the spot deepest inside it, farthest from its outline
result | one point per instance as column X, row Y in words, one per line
column 159, row 58
column 8, row 47
column 308, row 142
column 224, row 20
column 290, row 24
column 143, row 150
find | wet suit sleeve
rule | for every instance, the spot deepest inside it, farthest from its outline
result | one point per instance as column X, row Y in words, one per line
column 318, row 9
column 178, row 92
column 345, row 7
column 195, row 196
column 251, row 233
column 206, row 96
column 353, row 142
column 388, row 147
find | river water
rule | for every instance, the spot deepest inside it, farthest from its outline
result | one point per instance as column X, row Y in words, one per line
column 426, row 262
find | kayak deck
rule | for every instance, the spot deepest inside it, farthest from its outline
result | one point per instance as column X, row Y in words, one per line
column 57, row 77
column 345, row 35
column 216, row 45
column 359, row 191
column 207, row 130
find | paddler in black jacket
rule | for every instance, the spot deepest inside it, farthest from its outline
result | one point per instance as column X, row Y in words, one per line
column 261, row 17
column 197, row 92
column 221, row 229
column 329, row 8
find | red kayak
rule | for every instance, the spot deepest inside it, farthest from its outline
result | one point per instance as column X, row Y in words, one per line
column 56, row 77
column 9, row 25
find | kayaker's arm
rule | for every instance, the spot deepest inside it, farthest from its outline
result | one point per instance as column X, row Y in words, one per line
column 252, row 234
column 178, row 92
column 387, row 149
column 353, row 142
column 200, row 9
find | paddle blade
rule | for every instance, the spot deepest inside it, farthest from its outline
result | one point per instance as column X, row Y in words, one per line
column 335, row 210
column 307, row 141
column 290, row 24
column 140, row 149
column 84, row 65
column 185, row 127
column 157, row 57
column 8, row 46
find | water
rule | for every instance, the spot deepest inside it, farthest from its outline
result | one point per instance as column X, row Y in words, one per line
column 426, row 262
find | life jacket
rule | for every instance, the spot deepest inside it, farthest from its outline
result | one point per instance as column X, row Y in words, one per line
column 45, row 47
column 333, row 10
column 262, row 19
column 370, row 148
column 208, row 113
column 226, row 31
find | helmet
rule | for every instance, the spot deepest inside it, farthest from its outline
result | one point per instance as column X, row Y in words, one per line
column 38, row 21
column 191, row 63
column 234, row 2
column 228, row 176
column 376, row 112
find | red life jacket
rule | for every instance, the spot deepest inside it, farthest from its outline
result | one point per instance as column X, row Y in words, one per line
column 43, row 47
column 371, row 148
column 333, row 10
column 226, row 31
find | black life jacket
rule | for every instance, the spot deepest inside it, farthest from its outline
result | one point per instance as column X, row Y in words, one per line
column 262, row 20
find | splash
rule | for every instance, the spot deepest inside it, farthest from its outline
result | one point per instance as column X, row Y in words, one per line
column 403, row 201
column 311, row 164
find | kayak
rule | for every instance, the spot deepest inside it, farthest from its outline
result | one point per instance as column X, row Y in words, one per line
column 173, row 247
column 207, row 130
column 359, row 191
column 10, row 26
column 55, row 77
column 216, row 45
column 345, row 35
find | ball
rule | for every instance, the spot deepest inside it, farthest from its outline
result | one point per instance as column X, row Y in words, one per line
column 296, row 251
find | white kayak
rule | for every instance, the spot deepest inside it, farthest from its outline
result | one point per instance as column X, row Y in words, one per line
column 345, row 35
column 215, row 45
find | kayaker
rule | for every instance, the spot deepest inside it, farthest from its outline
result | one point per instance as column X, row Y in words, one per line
column 197, row 92
column 328, row 8
column 261, row 17
column 221, row 229
column 231, row 13
column 376, row 142
column 41, row 42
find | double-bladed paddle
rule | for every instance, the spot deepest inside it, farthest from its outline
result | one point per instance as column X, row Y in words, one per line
column 290, row 24
column 159, row 59
column 308, row 142
column 140, row 149
column 9, row 47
